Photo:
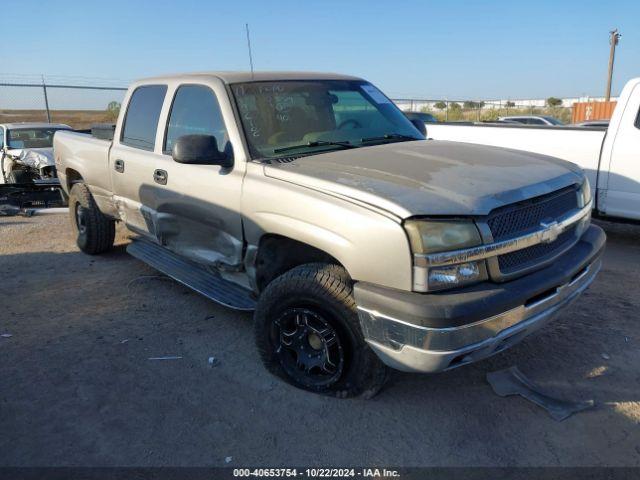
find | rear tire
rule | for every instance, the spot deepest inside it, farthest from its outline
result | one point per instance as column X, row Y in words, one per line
column 95, row 232
column 19, row 176
column 308, row 333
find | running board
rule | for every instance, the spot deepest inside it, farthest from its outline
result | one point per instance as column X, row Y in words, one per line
column 192, row 275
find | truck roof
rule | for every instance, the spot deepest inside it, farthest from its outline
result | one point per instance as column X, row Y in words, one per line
column 240, row 77
column 25, row 125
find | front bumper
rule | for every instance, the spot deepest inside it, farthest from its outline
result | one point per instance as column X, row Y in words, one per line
column 440, row 331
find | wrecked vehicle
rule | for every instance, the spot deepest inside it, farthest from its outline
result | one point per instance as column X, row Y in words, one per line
column 311, row 199
column 27, row 151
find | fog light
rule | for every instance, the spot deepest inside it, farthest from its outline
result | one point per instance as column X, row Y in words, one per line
column 455, row 275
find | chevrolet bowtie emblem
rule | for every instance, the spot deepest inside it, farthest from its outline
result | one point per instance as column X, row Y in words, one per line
column 550, row 232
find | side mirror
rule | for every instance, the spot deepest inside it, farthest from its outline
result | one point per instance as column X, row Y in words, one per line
column 419, row 124
column 200, row 150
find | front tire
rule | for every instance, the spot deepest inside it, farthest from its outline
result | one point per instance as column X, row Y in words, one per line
column 95, row 232
column 308, row 333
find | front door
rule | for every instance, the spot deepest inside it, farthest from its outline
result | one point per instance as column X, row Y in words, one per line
column 198, row 206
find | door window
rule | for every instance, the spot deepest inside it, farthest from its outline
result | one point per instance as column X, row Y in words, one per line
column 195, row 111
column 143, row 112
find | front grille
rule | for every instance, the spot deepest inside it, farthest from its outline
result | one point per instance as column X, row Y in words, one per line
column 520, row 259
column 524, row 217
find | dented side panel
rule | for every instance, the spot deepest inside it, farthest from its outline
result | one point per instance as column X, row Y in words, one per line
column 197, row 212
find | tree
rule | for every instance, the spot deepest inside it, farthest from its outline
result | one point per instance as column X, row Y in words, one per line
column 468, row 104
column 113, row 106
column 554, row 102
column 510, row 104
column 440, row 105
column 113, row 110
column 454, row 106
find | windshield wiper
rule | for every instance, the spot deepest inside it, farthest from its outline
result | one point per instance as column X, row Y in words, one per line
column 318, row 143
column 389, row 136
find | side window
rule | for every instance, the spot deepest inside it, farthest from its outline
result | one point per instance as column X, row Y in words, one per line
column 143, row 112
column 195, row 111
column 1, row 137
column 536, row 121
column 637, row 124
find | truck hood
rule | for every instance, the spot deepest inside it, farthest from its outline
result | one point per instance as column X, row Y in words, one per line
column 430, row 177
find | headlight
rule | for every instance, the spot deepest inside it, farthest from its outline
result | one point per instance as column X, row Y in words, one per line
column 585, row 193
column 451, row 276
column 435, row 236
column 441, row 236
column 584, row 198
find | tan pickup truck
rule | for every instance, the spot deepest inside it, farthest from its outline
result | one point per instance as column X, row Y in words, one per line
column 311, row 199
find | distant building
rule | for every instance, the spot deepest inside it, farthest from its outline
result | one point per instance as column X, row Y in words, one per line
column 416, row 105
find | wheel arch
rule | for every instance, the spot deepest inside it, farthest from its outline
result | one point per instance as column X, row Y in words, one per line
column 276, row 254
column 72, row 176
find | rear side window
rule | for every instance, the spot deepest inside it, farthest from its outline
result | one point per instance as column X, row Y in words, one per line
column 143, row 112
column 195, row 111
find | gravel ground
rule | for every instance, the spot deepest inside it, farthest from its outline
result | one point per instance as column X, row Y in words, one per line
column 77, row 386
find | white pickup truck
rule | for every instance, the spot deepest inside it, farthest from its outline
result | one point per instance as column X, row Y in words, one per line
column 610, row 156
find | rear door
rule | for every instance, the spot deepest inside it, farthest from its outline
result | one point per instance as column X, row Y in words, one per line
column 133, row 155
column 622, row 196
column 198, row 206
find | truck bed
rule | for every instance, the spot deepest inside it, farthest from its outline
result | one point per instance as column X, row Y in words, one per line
column 86, row 155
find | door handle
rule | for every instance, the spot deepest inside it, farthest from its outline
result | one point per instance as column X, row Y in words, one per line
column 160, row 176
column 118, row 166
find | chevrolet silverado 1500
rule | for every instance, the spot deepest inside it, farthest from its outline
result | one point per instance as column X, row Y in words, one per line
column 311, row 199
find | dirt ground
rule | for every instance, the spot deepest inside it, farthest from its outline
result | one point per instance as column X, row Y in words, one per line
column 77, row 386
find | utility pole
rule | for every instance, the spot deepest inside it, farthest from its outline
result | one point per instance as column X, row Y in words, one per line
column 614, row 36
column 46, row 100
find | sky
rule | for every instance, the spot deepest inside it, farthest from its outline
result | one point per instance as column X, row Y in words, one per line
column 419, row 49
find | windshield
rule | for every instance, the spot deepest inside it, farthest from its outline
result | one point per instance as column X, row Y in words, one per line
column 301, row 117
column 31, row 137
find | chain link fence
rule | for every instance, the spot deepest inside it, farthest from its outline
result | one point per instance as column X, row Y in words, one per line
column 80, row 102
column 78, row 106
column 483, row 110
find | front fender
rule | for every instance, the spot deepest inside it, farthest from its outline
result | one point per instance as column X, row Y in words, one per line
column 373, row 247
